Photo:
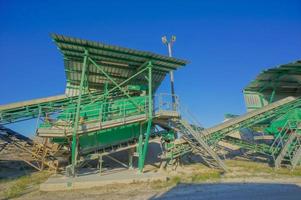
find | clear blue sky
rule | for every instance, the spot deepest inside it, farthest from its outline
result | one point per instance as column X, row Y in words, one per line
column 227, row 42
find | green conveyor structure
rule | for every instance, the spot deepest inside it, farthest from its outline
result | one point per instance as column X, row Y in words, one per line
column 273, row 101
column 109, row 101
column 265, row 114
column 284, row 147
column 110, row 104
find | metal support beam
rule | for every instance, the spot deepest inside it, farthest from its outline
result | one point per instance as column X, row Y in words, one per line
column 113, row 81
column 121, row 84
column 150, row 118
column 272, row 95
column 270, row 82
column 77, row 114
column 140, row 148
column 131, row 153
column 117, row 161
column 100, row 161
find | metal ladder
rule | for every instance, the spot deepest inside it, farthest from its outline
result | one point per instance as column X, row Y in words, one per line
column 198, row 144
column 289, row 143
column 296, row 159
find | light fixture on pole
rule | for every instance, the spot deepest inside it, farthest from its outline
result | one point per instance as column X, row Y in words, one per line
column 169, row 45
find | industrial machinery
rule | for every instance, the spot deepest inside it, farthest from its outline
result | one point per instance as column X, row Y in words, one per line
column 273, row 101
column 111, row 105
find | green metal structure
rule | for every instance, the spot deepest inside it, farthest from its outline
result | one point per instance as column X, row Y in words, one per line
column 109, row 101
column 274, row 103
column 273, row 84
column 120, row 113
column 110, row 104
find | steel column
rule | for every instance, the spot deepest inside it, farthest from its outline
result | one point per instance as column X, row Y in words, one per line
column 77, row 114
column 150, row 118
column 272, row 95
column 140, row 148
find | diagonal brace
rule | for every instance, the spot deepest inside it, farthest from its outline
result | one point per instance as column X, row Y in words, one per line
column 113, row 81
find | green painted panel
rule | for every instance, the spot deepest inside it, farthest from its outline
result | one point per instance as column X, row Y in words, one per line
column 111, row 136
column 278, row 124
column 62, row 141
column 103, row 110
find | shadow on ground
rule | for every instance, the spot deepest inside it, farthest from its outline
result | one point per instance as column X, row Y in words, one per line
column 231, row 191
column 12, row 169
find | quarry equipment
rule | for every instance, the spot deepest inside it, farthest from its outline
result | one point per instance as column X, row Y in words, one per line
column 111, row 105
column 273, row 100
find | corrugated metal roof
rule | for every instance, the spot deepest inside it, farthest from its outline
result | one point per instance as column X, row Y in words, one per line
column 120, row 63
column 284, row 78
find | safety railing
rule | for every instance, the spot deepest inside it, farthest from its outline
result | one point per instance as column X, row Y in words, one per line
column 164, row 102
column 280, row 140
column 191, row 118
column 120, row 109
column 97, row 112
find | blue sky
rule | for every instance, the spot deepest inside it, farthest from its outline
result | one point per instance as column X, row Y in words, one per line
column 227, row 43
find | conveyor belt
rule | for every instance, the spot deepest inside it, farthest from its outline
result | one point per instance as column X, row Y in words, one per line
column 32, row 102
column 7, row 134
column 25, row 110
column 272, row 110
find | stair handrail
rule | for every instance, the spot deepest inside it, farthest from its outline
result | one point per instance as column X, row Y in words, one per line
column 191, row 118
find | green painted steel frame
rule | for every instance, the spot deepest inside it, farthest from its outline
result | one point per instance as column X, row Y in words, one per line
column 74, row 134
column 143, row 145
column 217, row 136
column 143, row 151
column 256, row 148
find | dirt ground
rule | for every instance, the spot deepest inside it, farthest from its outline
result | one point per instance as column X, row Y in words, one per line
column 244, row 180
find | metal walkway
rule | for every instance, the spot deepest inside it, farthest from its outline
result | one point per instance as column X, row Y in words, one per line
column 63, row 130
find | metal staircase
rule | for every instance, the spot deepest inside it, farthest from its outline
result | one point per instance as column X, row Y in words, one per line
column 296, row 159
column 289, row 143
column 198, row 144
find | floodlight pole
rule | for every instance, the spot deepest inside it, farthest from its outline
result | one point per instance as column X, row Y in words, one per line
column 172, row 87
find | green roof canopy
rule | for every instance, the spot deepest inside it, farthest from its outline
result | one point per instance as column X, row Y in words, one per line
column 285, row 79
column 120, row 63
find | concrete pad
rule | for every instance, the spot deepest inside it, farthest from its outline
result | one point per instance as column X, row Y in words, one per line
column 85, row 181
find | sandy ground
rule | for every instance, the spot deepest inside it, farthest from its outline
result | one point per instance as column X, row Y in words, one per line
column 238, row 183
column 247, row 188
column 243, row 181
